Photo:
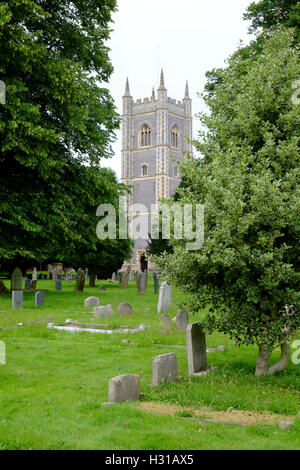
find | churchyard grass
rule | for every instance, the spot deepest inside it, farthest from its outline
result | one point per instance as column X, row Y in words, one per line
column 54, row 382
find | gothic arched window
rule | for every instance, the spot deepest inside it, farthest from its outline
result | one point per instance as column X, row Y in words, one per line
column 145, row 136
column 175, row 137
column 144, row 171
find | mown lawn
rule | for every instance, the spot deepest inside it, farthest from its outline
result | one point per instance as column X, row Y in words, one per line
column 54, row 382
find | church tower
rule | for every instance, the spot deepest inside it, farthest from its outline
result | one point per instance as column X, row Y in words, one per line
column 153, row 130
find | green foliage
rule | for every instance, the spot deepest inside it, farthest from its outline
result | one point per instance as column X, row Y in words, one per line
column 248, row 179
column 56, row 120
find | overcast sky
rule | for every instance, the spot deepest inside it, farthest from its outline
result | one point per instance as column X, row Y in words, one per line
column 185, row 38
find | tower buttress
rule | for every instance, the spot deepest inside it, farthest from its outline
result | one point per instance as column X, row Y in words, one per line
column 162, row 152
column 127, row 133
column 188, row 126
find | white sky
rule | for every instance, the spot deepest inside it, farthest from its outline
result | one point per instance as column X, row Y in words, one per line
column 185, row 38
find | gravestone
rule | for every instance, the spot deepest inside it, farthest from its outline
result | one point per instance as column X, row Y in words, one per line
column 182, row 320
column 80, row 281
column 156, row 283
column 91, row 302
column 17, row 299
column 39, row 298
column 16, row 279
column 196, row 347
column 104, row 311
column 166, row 323
column 3, row 288
column 54, row 275
column 164, row 300
column 164, row 369
column 124, row 309
column 113, row 277
column 124, row 387
column 87, row 277
column 27, row 284
column 58, row 285
column 101, row 287
column 124, row 279
column 141, row 281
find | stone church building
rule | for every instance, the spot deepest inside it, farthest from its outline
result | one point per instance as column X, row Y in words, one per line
column 153, row 130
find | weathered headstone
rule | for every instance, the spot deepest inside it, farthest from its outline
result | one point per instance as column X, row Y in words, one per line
column 164, row 300
column 124, row 279
column 156, row 283
column 182, row 320
column 103, row 311
column 124, row 387
column 87, row 277
column 164, row 369
column 113, row 277
column 142, row 281
column 166, row 323
column 196, row 347
column 17, row 299
column 124, row 309
column 91, row 302
column 101, row 287
column 3, row 288
column 80, row 281
column 16, row 279
column 54, row 275
column 39, row 298
column 58, row 285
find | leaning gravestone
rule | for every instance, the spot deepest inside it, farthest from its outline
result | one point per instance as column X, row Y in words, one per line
column 164, row 369
column 91, row 302
column 124, row 387
column 124, row 279
column 17, row 299
column 182, row 320
column 16, row 279
column 164, row 300
column 124, row 309
column 196, row 347
column 39, row 298
column 141, row 282
column 80, row 281
column 166, row 323
column 104, row 311
column 58, row 285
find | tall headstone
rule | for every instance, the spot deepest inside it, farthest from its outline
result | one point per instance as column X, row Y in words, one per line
column 54, row 275
column 87, row 277
column 164, row 300
column 17, row 299
column 39, row 298
column 196, row 347
column 166, row 323
column 142, row 281
column 182, row 320
column 124, row 279
column 156, row 283
column 164, row 369
column 113, row 277
column 16, row 279
column 80, row 281
column 58, row 285
column 124, row 387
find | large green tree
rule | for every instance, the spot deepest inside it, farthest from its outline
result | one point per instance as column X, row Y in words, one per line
column 248, row 271
column 57, row 118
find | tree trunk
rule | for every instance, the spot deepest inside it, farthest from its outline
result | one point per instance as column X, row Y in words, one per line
column 92, row 280
column 262, row 362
